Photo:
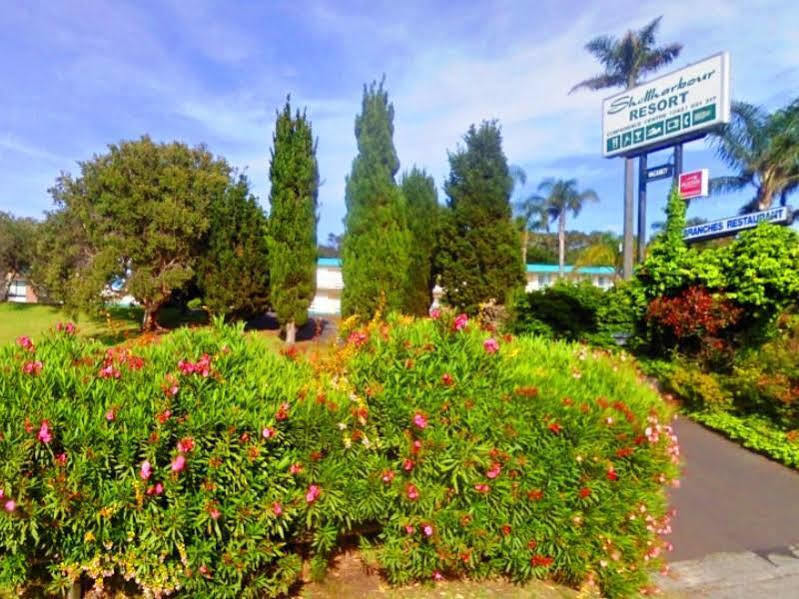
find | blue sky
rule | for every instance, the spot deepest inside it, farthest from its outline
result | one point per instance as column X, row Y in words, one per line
column 80, row 74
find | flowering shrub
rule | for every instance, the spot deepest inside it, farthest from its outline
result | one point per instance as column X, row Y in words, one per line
column 207, row 465
column 536, row 459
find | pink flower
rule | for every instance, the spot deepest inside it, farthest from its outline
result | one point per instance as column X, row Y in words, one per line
column 435, row 313
column 268, row 433
column 295, row 468
column 419, row 420
column 109, row 372
column 146, row 470
column 494, row 471
column 407, row 465
column 179, row 463
column 25, row 343
column 110, row 415
column 417, row 446
column 2, row 493
column 358, row 338
column 447, row 379
column 282, row 412
column 61, row 460
column 10, row 505
column 461, row 320
column 45, row 436
column 32, row 368
column 277, row 508
column 185, row 445
column 155, row 489
column 313, row 493
column 482, row 488
column 427, row 530
column 491, row 346
column 438, row 575
column 388, row 476
column 214, row 513
column 164, row 416
column 412, row 492
column 409, row 529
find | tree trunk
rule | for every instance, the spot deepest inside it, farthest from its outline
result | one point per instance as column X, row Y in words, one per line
column 75, row 590
column 561, row 242
column 149, row 321
column 291, row 332
column 525, row 240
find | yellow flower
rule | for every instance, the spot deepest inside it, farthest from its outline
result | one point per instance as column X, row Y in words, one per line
column 88, row 537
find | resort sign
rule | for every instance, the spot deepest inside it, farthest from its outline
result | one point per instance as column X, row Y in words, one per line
column 667, row 110
column 733, row 224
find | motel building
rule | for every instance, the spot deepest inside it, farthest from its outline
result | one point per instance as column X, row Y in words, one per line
column 329, row 282
column 19, row 290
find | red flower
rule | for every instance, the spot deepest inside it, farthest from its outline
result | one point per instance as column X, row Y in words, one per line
column 419, row 420
column 185, row 445
column 461, row 320
column 412, row 492
column 624, row 452
column 277, row 508
column 611, row 474
column 164, row 416
column 268, row 433
column 45, row 436
column 358, row 338
column 25, row 343
column 33, row 368
column 542, row 561
column 532, row 544
column 388, row 476
column 61, row 459
column 447, row 379
column 314, row 491
column 535, row 494
column 555, row 427
column 416, row 446
column 585, row 492
column 295, row 468
column 282, row 412
column 407, row 465
column 155, row 489
column 491, row 346
column 494, row 471
column 482, row 488
column 506, row 529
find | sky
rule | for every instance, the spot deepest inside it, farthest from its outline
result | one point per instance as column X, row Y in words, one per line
column 81, row 74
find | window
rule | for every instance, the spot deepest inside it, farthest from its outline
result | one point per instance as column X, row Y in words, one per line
column 601, row 281
column 17, row 290
column 542, row 280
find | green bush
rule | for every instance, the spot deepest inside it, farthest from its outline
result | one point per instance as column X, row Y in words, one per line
column 205, row 464
column 566, row 310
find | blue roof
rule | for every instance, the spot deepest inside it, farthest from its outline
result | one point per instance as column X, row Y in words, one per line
column 334, row 262
column 583, row 270
column 532, row 268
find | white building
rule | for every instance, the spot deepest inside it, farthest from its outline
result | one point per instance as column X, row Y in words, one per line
column 329, row 282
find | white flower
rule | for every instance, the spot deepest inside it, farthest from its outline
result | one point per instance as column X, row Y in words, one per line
column 342, row 426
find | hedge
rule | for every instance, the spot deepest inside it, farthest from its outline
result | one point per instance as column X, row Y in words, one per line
column 204, row 465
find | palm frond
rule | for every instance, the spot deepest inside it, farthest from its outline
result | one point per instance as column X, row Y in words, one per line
column 660, row 57
column 601, row 47
column 647, row 33
column 728, row 184
column 600, row 82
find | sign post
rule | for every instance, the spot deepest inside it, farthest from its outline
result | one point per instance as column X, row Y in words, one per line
column 664, row 112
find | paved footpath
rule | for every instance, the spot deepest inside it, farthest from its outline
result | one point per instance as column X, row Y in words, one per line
column 736, row 533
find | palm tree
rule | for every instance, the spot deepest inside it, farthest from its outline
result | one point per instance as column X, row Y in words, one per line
column 531, row 211
column 764, row 149
column 561, row 196
column 626, row 60
column 605, row 251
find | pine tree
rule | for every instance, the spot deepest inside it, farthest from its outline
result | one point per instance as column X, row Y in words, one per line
column 421, row 197
column 233, row 271
column 376, row 245
column 294, row 174
column 480, row 258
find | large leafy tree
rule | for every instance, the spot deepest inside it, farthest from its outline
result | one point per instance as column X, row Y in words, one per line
column 233, row 269
column 294, row 174
column 764, row 150
column 479, row 257
column 375, row 250
column 561, row 196
column 626, row 60
column 134, row 221
column 419, row 190
column 17, row 248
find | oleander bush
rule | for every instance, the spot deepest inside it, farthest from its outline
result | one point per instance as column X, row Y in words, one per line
column 202, row 464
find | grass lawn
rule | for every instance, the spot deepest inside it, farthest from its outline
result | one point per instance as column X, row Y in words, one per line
column 34, row 319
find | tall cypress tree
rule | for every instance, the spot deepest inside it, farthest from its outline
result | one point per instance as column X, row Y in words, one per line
column 376, row 244
column 480, row 258
column 294, row 174
column 421, row 197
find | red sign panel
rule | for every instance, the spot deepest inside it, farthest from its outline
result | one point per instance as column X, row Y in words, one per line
column 694, row 184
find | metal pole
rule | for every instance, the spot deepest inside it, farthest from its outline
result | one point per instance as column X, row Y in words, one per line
column 628, row 218
column 677, row 163
column 641, row 207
